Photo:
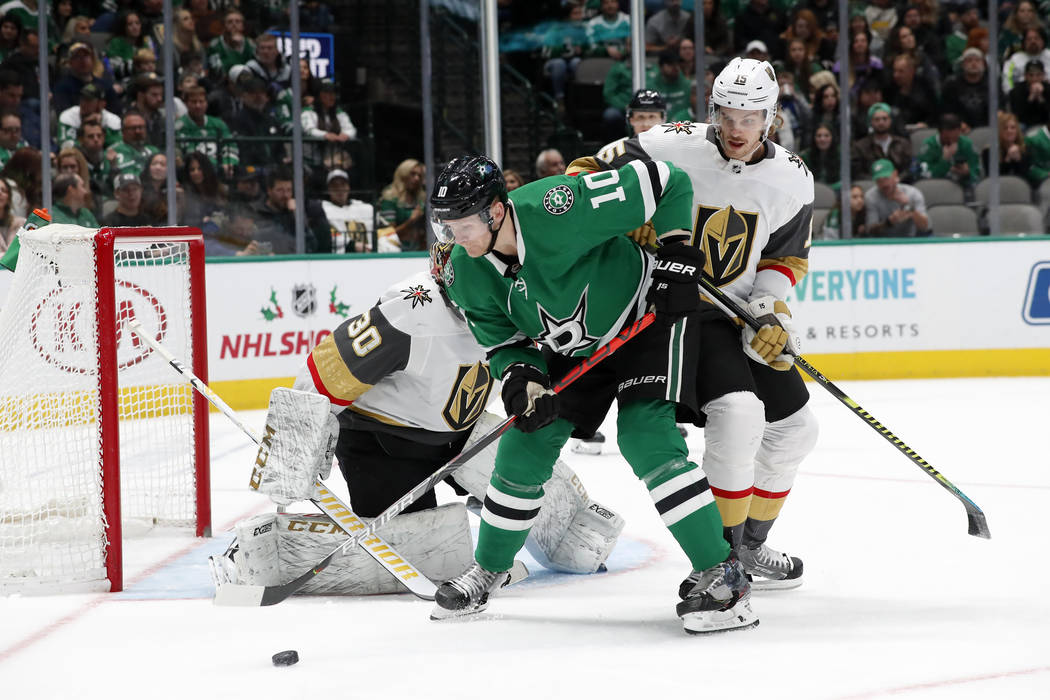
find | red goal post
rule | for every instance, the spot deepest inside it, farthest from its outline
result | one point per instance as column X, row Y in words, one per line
column 96, row 432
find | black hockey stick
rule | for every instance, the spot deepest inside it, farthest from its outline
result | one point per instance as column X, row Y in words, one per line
column 271, row 595
column 978, row 524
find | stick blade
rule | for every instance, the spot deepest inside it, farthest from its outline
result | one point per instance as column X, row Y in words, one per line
column 978, row 524
column 239, row 595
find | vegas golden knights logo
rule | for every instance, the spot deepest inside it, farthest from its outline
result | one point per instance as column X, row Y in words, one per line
column 470, row 393
column 726, row 236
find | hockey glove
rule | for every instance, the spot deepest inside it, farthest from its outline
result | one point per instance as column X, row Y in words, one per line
column 676, row 277
column 644, row 235
column 527, row 394
column 776, row 342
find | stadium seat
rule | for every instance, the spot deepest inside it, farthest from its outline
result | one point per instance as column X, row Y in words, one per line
column 863, row 184
column 917, row 137
column 819, row 215
column 953, row 220
column 823, row 196
column 585, row 101
column 940, row 191
column 980, row 135
column 1012, row 190
column 1042, row 198
column 1021, row 220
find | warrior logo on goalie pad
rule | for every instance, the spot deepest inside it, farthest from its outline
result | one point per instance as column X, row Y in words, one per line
column 470, row 393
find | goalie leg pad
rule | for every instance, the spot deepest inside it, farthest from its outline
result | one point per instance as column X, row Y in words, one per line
column 572, row 533
column 276, row 547
column 298, row 444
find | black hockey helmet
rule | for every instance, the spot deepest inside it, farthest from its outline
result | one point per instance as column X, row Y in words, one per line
column 647, row 101
column 466, row 186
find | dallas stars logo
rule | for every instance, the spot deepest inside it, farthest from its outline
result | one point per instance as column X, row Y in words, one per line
column 419, row 295
column 566, row 335
column 679, row 127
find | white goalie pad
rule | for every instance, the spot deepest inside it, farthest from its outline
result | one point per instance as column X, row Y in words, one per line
column 572, row 533
column 274, row 548
column 298, row 445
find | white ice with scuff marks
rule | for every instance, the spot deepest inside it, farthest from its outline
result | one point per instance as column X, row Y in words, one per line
column 898, row 600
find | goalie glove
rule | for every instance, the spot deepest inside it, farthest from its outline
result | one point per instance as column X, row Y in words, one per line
column 527, row 394
column 675, row 289
column 776, row 342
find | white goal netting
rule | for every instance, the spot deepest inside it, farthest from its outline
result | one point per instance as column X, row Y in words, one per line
column 55, row 514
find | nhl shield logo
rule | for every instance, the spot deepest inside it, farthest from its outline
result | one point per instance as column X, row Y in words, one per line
column 304, row 299
column 558, row 200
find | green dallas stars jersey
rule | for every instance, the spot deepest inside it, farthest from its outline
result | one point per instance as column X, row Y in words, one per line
column 578, row 279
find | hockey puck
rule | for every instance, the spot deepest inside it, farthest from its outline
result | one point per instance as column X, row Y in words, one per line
column 286, row 658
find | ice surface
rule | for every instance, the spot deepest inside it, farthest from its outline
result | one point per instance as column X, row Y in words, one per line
column 898, row 600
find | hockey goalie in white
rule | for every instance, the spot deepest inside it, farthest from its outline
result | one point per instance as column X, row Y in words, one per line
column 396, row 391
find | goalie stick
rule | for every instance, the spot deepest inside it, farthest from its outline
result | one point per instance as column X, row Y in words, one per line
column 329, row 504
column 271, row 595
column 976, row 521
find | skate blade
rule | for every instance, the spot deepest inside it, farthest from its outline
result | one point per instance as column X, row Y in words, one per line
column 739, row 617
column 586, row 448
column 439, row 614
column 771, row 584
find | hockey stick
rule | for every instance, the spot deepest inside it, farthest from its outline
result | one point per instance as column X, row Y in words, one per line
column 271, row 595
column 977, row 523
column 330, row 504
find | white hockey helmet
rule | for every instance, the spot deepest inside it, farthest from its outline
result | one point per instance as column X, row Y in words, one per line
column 746, row 84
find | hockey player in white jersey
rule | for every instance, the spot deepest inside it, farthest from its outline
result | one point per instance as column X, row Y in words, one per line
column 753, row 203
column 408, row 384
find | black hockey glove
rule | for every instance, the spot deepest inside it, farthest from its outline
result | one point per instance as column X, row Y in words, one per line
column 527, row 394
column 675, row 290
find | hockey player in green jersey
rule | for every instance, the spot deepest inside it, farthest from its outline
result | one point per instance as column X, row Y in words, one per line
column 550, row 264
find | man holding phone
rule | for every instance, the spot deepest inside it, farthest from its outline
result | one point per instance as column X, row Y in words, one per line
column 951, row 155
column 894, row 210
column 274, row 217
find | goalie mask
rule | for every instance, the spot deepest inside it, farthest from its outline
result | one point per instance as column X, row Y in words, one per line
column 745, row 84
column 439, row 255
column 468, row 185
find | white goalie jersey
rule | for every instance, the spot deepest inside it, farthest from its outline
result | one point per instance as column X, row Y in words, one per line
column 753, row 222
column 409, row 366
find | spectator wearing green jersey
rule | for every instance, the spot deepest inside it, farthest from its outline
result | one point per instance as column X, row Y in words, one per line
column 217, row 139
column 232, row 47
column 129, row 35
column 1038, row 147
column 91, row 144
column 672, row 85
column 949, row 154
column 131, row 154
column 92, row 102
column 69, row 206
column 10, row 137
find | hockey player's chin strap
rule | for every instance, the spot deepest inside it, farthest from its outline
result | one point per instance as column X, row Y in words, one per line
column 486, row 216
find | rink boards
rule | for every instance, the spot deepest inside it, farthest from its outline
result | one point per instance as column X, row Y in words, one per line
column 869, row 310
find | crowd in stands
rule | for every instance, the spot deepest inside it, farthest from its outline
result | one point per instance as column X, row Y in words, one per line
column 918, row 91
column 917, row 75
column 232, row 123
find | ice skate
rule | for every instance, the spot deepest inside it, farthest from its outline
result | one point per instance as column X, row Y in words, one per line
column 589, row 446
column 769, row 569
column 716, row 599
column 469, row 592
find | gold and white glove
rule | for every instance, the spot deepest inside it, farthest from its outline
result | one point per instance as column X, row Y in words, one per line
column 776, row 342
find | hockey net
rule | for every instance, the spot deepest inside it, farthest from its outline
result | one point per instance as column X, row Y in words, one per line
column 98, row 435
